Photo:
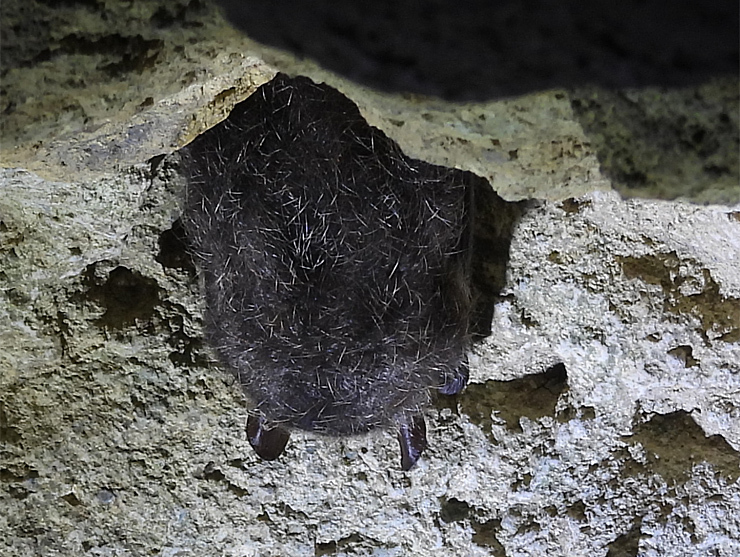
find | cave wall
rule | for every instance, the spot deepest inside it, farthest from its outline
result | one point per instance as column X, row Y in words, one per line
column 603, row 414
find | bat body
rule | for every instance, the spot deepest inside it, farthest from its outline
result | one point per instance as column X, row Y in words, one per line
column 336, row 269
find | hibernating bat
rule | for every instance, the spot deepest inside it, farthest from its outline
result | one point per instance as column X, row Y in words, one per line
column 336, row 268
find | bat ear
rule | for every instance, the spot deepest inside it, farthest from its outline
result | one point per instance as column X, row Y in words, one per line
column 413, row 440
column 268, row 443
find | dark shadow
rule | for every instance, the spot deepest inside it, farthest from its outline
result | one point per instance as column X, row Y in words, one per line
column 127, row 296
column 479, row 50
column 675, row 443
column 173, row 249
column 534, row 396
column 494, row 223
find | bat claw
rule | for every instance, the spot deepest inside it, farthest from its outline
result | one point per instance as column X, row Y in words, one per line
column 270, row 443
column 458, row 381
column 413, row 440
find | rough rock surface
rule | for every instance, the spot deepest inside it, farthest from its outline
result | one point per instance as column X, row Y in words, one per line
column 91, row 87
column 603, row 409
column 603, row 416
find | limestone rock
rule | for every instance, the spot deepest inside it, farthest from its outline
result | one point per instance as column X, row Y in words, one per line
column 603, row 413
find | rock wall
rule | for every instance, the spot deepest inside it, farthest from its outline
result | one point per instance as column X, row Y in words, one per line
column 603, row 415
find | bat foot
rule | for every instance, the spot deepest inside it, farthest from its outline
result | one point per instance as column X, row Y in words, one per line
column 458, row 380
column 268, row 443
column 413, row 440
